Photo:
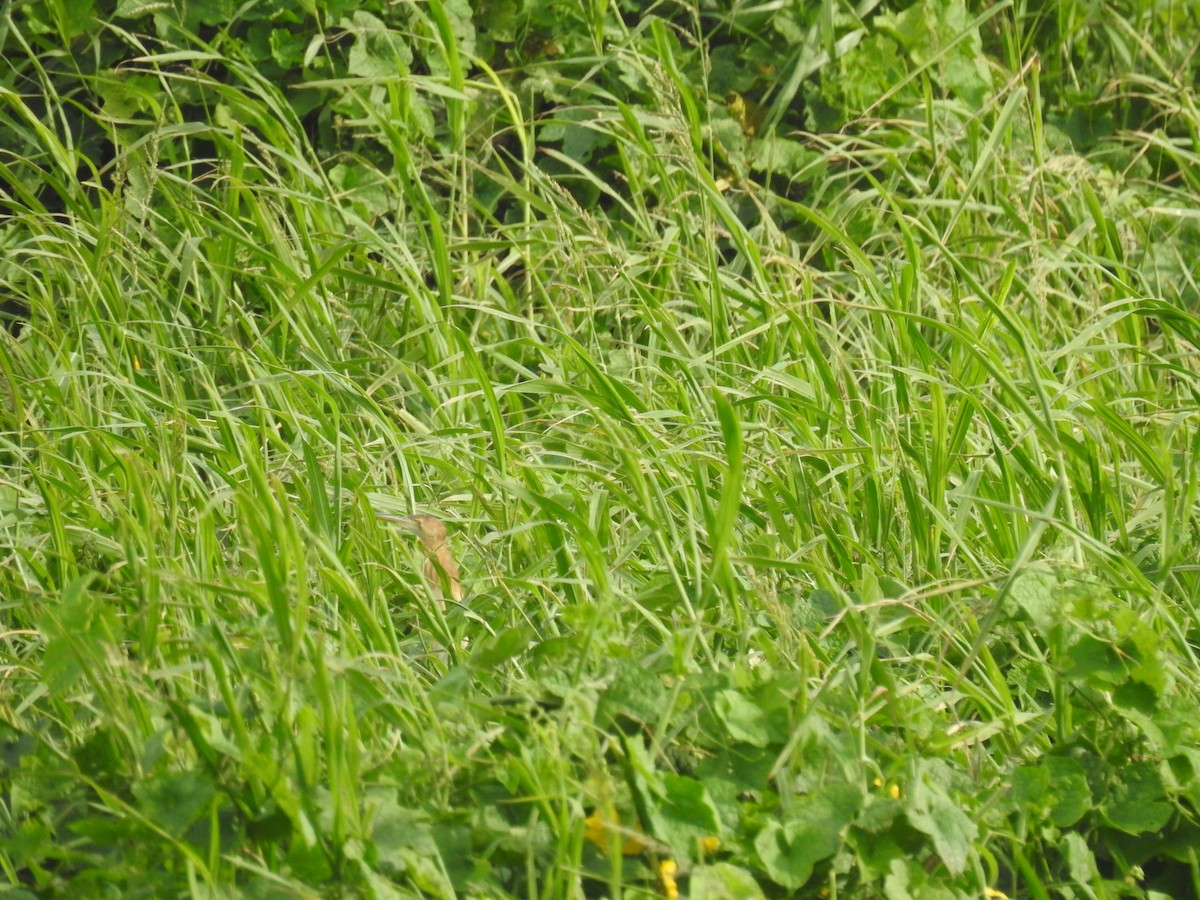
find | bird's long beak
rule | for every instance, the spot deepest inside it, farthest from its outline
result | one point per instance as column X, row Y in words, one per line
column 408, row 523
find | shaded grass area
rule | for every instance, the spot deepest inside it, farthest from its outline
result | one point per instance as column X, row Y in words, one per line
column 826, row 525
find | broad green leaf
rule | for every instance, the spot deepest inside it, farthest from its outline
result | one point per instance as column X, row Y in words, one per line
column 1036, row 592
column 683, row 815
column 743, row 719
column 378, row 52
column 1071, row 797
column 209, row 12
column 812, row 832
column 492, row 650
column 933, row 811
column 1056, row 787
column 1081, row 862
column 723, row 881
column 1138, row 804
column 783, row 156
column 174, row 801
column 636, row 693
column 1029, row 785
column 1097, row 662
column 288, row 47
column 940, row 33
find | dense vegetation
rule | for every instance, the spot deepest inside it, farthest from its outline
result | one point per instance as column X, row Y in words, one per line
column 811, row 391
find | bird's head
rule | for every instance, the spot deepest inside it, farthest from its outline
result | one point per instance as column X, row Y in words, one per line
column 428, row 528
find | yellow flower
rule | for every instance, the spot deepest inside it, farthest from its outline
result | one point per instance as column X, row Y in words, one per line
column 994, row 894
column 594, row 830
column 893, row 789
column 666, row 871
column 747, row 113
column 599, row 832
column 709, row 844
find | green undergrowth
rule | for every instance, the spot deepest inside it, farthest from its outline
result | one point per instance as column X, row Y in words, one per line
column 811, row 392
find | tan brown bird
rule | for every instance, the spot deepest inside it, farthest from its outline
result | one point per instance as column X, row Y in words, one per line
column 440, row 569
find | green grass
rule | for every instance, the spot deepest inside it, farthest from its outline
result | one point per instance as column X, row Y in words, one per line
column 843, row 507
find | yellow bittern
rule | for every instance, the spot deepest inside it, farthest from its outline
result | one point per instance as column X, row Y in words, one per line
column 440, row 569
